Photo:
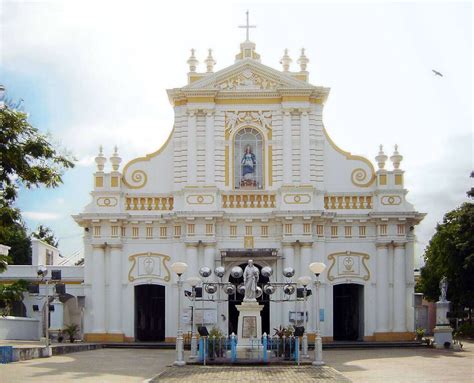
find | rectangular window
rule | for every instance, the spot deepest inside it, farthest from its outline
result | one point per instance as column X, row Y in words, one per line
column 163, row 232
column 177, row 231
column 135, row 232
column 191, row 228
column 320, row 230
column 306, row 228
column 383, row 229
column 248, row 230
column 401, row 229
column 288, row 228
column 96, row 231
column 362, row 231
column 264, row 231
column 123, row 231
column 348, row 231
column 233, row 231
column 114, row 231
column 149, row 232
column 333, row 231
column 209, row 228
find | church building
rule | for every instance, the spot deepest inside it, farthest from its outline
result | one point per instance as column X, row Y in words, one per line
column 249, row 171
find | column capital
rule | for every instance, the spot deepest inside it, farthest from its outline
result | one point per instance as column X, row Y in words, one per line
column 209, row 112
column 191, row 244
column 308, row 244
column 209, row 244
column 399, row 244
column 101, row 245
column 381, row 245
column 115, row 245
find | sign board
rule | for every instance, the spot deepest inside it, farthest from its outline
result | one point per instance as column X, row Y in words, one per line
column 202, row 316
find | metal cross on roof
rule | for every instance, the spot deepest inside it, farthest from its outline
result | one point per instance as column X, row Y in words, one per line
column 247, row 26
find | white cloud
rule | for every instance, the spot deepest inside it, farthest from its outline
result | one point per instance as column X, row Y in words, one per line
column 41, row 215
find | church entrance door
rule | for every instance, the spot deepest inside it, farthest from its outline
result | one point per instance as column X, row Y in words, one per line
column 150, row 313
column 348, row 315
column 237, row 300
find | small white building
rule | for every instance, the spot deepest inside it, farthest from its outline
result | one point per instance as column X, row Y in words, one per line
column 28, row 321
column 249, row 171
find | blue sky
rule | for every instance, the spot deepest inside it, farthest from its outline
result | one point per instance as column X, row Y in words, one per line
column 95, row 73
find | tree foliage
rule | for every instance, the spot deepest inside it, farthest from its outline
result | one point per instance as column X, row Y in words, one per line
column 27, row 159
column 45, row 234
column 450, row 253
column 12, row 293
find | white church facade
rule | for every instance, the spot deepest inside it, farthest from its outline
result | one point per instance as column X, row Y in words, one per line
column 249, row 172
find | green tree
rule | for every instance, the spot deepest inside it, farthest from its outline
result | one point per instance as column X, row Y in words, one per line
column 29, row 160
column 12, row 293
column 450, row 253
column 45, row 234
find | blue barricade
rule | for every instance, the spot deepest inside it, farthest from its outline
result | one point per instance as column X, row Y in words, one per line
column 6, row 354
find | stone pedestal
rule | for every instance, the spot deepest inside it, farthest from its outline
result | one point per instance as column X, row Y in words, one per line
column 443, row 331
column 249, row 328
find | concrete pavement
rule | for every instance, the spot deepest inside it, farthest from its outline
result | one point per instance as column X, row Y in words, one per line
column 136, row 365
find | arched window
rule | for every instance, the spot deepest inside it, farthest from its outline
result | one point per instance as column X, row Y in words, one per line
column 248, row 159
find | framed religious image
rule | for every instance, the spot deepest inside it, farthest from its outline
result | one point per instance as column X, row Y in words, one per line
column 249, row 327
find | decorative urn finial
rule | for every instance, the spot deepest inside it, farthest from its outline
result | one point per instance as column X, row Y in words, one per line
column 192, row 62
column 115, row 160
column 286, row 61
column 303, row 61
column 210, row 62
column 381, row 158
column 396, row 158
column 100, row 160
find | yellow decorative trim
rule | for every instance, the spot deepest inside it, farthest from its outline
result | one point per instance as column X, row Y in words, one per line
column 248, row 242
column 298, row 199
column 315, row 101
column 180, row 102
column 107, row 201
column 382, row 179
column 295, row 99
column 99, row 181
column 348, row 202
column 242, row 200
column 104, row 337
column 348, row 263
column 148, row 157
column 114, row 181
column 391, row 200
column 398, row 179
column 393, row 336
column 270, row 162
column 149, row 203
column 358, row 176
column 200, row 199
column 163, row 260
column 240, row 101
column 226, row 164
column 352, row 157
column 200, row 100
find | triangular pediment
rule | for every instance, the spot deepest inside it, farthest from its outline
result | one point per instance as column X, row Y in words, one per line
column 248, row 75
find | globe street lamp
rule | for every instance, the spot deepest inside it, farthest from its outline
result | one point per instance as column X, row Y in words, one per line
column 305, row 281
column 317, row 268
column 193, row 281
column 179, row 268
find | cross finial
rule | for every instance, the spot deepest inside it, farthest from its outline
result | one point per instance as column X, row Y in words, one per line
column 247, row 26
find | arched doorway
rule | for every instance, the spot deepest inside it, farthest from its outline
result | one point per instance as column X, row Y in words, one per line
column 348, row 314
column 237, row 300
column 150, row 313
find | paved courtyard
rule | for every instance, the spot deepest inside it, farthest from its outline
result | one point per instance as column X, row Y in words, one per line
column 368, row 365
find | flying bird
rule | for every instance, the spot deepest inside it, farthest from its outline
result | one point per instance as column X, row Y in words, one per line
column 437, row 73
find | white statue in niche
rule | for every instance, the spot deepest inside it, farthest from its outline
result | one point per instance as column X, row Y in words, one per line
column 251, row 275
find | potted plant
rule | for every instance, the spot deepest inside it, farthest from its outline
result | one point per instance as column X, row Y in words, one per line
column 60, row 336
column 284, row 334
column 214, row 337
column 71, row 331
column 420, row 333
